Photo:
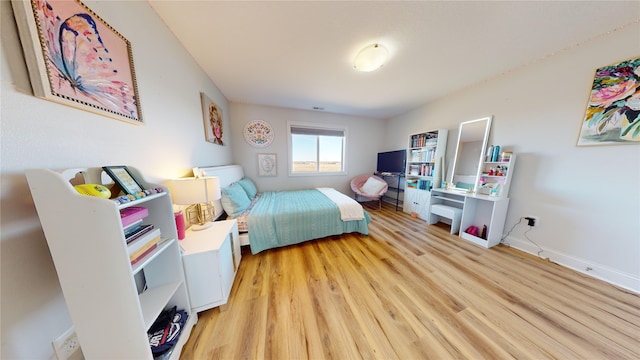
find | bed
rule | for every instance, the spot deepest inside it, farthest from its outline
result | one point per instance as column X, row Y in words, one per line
column 274, row 219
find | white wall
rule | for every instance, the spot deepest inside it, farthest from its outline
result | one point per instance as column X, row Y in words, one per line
column 587, row 198
column 365, row 140
column 41, row 134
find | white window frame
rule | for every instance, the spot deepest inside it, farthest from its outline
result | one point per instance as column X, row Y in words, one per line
column 320, row 127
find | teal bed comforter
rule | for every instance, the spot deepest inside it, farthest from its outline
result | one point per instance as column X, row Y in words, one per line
column 281, row 218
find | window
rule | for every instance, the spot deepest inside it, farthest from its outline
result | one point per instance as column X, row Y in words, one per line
column 316, row 149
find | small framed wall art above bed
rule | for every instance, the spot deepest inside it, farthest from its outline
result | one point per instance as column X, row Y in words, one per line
column 267, row 165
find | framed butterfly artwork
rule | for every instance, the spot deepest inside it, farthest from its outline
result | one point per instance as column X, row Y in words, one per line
column 75, row 58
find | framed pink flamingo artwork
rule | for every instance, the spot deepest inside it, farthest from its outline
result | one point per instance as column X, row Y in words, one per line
column 75, row 58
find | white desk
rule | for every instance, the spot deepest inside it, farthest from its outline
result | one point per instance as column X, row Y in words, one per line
column 478, row 210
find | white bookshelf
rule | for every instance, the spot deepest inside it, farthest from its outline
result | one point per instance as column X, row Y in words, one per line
column 424, row 169
column 110, row 308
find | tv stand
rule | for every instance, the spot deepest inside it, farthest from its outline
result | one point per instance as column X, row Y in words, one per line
column 397, row 188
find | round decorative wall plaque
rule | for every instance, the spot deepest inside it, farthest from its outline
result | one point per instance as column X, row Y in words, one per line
column 258, row 133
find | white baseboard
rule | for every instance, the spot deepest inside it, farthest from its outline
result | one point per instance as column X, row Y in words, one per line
column 612, row 276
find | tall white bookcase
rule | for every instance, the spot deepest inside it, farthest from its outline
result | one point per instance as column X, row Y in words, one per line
column 110, row 308
column 424, row 170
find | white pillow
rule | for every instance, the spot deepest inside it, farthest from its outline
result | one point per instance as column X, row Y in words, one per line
column 372, row 186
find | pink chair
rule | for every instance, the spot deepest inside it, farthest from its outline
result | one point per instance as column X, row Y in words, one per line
column 369, row 188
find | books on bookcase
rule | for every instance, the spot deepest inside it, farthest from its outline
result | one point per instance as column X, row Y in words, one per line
column 420, row 140
column 131, row 227
column 423, row 155
column 143, row 254
column 424, row 184
column 140, row 247
column 136, row 232
column 132, row 214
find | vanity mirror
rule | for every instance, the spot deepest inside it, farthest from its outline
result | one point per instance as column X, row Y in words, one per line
column 473, row 137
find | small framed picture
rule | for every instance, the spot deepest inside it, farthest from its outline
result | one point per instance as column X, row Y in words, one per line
column 122, row 176
column 267, row 165
column 212, row 115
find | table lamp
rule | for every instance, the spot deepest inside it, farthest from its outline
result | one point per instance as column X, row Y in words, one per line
column 199, row 194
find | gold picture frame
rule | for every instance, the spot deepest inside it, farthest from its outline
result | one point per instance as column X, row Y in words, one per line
column 77, row 59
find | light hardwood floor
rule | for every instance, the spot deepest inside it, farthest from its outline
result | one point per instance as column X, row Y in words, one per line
column 413, row 291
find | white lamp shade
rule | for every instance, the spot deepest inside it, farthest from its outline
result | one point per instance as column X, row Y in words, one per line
column 189, row 191
column 371, row 58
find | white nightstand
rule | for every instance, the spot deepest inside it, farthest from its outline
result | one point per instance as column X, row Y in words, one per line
column 211, row 258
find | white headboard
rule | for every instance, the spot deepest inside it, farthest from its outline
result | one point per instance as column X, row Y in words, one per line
column 227, row 174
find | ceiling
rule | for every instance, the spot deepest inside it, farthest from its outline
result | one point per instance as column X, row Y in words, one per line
column 298, row 54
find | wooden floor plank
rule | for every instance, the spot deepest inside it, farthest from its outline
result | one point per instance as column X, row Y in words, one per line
column 410, row 290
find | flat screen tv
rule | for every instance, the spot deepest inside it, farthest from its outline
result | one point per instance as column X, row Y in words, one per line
column 391, row 161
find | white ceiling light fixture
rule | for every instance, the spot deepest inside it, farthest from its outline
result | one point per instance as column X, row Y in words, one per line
column 371, row 58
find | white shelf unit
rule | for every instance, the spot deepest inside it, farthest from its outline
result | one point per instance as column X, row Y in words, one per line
column 482, row 210
column 477, row 210
column 504, row 179
column 110, row 310
column 425, row 159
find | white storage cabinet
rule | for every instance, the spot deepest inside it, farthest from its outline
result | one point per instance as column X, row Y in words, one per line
column 417, row 201
column 211, row 259
column 88, row 247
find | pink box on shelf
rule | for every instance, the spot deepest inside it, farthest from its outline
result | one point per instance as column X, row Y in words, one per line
column 132, row 214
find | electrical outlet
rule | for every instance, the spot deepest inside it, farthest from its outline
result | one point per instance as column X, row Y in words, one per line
column 66, row 345
column 532, row 220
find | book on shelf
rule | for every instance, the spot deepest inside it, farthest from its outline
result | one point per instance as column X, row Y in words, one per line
column 138, row 246
column 429, row 155
column 130, row 215
column 142, row 255
column 415, row 155
column 424, row 184
column 427, row 170
column 137, row 232
column 131, row 227
column 420, row 140
column 423, row 155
